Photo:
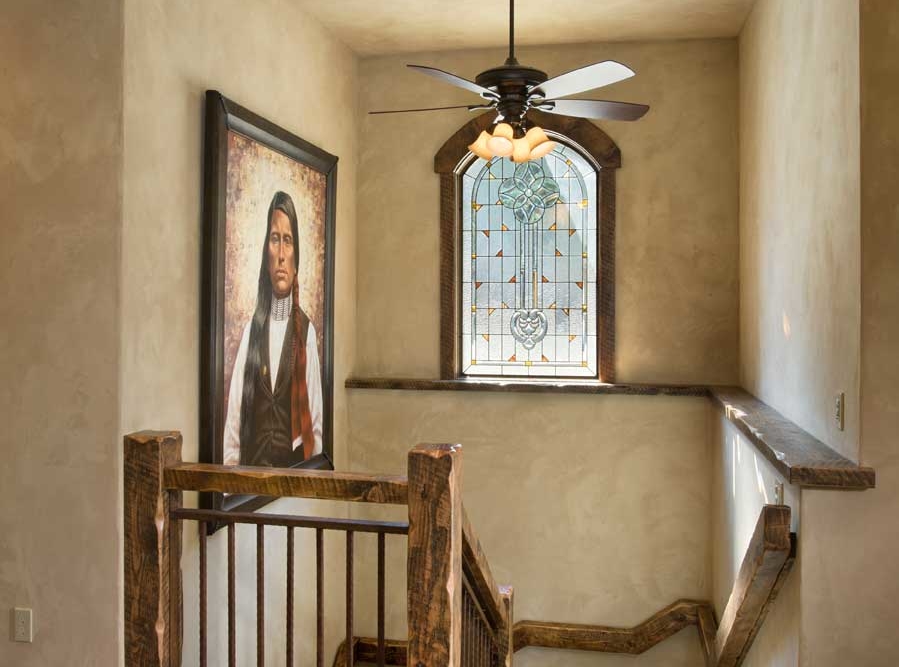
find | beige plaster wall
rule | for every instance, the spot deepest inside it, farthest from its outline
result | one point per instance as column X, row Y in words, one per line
column 596, row 508
column 676, row 279
column 60, row 212
column 799, row 212
column 799, row 281
column 849, row 601
column 281, row 64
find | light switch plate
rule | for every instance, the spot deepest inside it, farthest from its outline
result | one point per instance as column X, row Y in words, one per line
column 21, row 625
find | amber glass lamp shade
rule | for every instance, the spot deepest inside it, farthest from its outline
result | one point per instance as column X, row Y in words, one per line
column 503, row 143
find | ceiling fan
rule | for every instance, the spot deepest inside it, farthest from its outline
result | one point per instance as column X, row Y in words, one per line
column 513, row 89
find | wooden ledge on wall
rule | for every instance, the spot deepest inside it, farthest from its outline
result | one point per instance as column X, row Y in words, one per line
column 798, row 455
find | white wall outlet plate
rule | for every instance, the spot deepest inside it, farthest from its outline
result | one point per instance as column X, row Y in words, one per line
column 21, row 625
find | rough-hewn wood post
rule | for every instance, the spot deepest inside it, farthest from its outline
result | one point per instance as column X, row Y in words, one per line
column 434, row 576
column 507, row 638
column 152, row 552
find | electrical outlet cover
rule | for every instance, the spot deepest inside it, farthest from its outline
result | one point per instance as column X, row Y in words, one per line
column 22, row 631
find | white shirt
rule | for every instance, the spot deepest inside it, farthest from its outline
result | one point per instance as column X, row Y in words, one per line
column 276, row 334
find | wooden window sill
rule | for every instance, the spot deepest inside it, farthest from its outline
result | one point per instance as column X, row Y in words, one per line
column 796, row 454
column 561, row 386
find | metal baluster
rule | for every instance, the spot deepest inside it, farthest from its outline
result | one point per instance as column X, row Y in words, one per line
column 289, row 596
column 319, row 598
column 203, row 533
column 260, row 596
column 232, row 631
column 381, row 599
column 467, row 627
column 349, row 599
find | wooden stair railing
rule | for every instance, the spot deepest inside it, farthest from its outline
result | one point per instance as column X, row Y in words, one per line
column 768, row 560
column 458, row 617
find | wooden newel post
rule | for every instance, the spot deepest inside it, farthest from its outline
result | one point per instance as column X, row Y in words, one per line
column 434, row 575
column 507, row 638
column 152, row 552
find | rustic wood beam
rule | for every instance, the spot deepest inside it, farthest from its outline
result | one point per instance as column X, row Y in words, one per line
column 152, row 552
column 635, row 640
column 292, row 482
column 475, row 563
column 767, row 554
column 434, row 562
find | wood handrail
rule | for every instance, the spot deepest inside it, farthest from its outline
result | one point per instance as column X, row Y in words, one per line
column 768, row 561
column 474, row 562
column 287, row 482
column 635, row 640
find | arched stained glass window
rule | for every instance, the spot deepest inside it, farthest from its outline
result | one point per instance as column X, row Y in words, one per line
column 529, row 257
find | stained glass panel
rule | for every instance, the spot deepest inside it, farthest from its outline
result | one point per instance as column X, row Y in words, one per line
column 529, row 266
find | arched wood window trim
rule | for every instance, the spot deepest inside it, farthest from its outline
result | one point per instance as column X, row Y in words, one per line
column 447, row 162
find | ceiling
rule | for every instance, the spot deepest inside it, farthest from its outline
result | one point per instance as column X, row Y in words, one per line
column 376, row 27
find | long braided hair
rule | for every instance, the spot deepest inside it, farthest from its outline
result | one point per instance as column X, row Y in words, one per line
column 280, row 202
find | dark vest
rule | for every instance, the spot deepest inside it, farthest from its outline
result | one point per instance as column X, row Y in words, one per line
column 272, row 443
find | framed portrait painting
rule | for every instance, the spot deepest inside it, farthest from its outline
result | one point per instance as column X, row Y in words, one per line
column 266, row 377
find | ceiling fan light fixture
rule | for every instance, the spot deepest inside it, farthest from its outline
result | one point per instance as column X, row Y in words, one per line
column 538, row 143
column 521, row 150
column 542, row 149
column 504, row 130
column 536, row 136
column 500, row 146
column 479, row 147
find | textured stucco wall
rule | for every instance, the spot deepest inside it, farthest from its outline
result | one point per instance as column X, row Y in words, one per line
column 595, row 508
column 60, row 212
column 799, row 212
column 849, row 602
column 279, row 63
column 676, row 280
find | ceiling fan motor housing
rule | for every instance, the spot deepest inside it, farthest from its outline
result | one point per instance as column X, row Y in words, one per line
column 512, row 82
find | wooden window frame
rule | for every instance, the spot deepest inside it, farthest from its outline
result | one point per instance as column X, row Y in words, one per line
column 605, row 153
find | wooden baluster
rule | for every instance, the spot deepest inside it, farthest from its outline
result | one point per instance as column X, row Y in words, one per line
column 152, row 553
column 289, row 596
column 350, row 648
column 260, row 596
column 381, row 598
column 232, row 595
column 319, row 598
column 434, row 563
column 203, row 533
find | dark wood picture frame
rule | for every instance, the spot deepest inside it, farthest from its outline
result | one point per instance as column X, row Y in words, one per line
column 600, row 149
column 224, row 116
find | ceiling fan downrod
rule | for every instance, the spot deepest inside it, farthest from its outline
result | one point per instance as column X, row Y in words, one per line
column 511, row 59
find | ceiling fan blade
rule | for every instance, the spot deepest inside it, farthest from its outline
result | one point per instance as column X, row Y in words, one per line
column 470, row 107
column 596, row 109
column 454, row 80
column 584, row 79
